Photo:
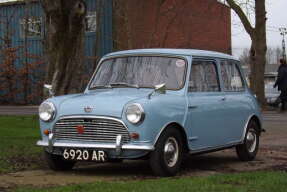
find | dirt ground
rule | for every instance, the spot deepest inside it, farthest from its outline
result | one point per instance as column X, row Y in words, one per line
column 272, row 156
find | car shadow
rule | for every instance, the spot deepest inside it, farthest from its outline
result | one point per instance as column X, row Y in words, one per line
column 213, row 162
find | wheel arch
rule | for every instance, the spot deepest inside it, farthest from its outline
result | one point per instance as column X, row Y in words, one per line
column 181, row 130
column 257, row 120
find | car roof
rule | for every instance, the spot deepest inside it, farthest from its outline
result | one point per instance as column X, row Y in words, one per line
column 186, row 52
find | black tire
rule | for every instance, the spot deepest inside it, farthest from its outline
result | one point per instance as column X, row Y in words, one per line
column 57, row 163
column 248, row 151
column 157, row 159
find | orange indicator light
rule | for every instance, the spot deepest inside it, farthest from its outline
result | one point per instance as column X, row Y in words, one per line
column 134, row 135
column 46, row 132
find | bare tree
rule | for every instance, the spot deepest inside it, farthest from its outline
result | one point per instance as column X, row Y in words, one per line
column 257, row 34
column 64, row 43
column 273, row 56
column 244, row 57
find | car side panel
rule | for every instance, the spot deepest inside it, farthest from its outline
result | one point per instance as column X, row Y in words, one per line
column 160, row 111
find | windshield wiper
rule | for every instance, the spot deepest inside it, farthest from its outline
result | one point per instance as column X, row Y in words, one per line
column 122, row 84
column 101, row 87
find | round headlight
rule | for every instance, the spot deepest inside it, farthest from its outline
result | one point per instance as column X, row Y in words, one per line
column 47, row 111
column 135, row 113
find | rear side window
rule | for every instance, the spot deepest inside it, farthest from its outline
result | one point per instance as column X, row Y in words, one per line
column 232, row 79
column 203, row 77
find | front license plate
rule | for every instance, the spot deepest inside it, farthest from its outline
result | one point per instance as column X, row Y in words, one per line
column 84, row 155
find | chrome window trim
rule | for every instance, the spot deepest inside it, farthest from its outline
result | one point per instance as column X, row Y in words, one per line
column 241, row 74
column 183, row 57
column 213, row 61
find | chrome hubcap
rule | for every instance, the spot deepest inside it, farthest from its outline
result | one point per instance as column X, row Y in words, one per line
column 171, row 152
column 251, row 141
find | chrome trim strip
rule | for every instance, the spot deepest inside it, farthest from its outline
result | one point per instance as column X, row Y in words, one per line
column 213, row 148
column 50, row 142
column 245, row 127
column 99, row 146
column 192, row 138
column 92, row 117
column 162, row 129
column 119, row 144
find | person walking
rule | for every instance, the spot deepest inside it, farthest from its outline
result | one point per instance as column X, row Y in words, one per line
column 281, row 83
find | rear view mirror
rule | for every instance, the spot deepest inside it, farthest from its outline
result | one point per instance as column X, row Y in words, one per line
column 50, row 89
column 160, row 88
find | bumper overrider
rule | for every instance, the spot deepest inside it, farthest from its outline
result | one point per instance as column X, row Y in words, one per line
column 117, row 146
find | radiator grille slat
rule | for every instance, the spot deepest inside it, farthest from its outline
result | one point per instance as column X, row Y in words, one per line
column 95, row 130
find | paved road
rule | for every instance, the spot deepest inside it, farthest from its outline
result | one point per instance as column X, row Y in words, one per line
column 18, row 110
column 275, row 117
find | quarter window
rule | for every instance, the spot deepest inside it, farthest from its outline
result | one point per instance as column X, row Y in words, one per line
column 204, row 77
column 231, row 77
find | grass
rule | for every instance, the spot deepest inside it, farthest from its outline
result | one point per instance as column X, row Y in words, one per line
column 18, row 136
column 242, row 182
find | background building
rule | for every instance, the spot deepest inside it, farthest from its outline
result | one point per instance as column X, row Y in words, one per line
column 193, row 24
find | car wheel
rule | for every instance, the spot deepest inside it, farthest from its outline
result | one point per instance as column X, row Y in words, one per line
column 248, row 150
column 57, row 163
column 166, row 159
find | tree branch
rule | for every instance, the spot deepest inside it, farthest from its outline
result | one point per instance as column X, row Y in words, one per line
column 238, row 10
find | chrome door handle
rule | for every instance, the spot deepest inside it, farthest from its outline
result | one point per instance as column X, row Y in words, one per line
column 223, row 98
column 192, row 106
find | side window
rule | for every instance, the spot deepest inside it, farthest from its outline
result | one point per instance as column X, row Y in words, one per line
column 203, row 77
column 231, row 76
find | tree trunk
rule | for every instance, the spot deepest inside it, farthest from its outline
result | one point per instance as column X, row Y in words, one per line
column 64, row 44
column 259, row 45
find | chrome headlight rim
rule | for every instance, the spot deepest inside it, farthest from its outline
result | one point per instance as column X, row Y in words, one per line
column 52, row 113
column 140, row 108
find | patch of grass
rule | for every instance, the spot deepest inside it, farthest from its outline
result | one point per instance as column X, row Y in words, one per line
column 243, row 182
column 18, row 136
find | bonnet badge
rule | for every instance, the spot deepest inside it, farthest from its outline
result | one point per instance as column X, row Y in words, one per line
column 88, row 109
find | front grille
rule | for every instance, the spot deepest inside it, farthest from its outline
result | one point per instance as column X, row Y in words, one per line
column 104, row 130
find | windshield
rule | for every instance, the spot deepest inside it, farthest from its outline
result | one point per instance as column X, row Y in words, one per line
column 140, row 72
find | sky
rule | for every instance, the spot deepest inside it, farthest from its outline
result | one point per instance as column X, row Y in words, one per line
column 276, row 17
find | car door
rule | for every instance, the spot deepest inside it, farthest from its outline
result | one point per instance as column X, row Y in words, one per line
column 237, row 108
column 205, row 119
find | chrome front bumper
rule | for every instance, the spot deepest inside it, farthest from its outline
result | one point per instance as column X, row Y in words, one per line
column 118, row 146
column 97, row 146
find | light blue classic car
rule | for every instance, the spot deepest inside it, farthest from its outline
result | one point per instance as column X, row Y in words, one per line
column 156, row 104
